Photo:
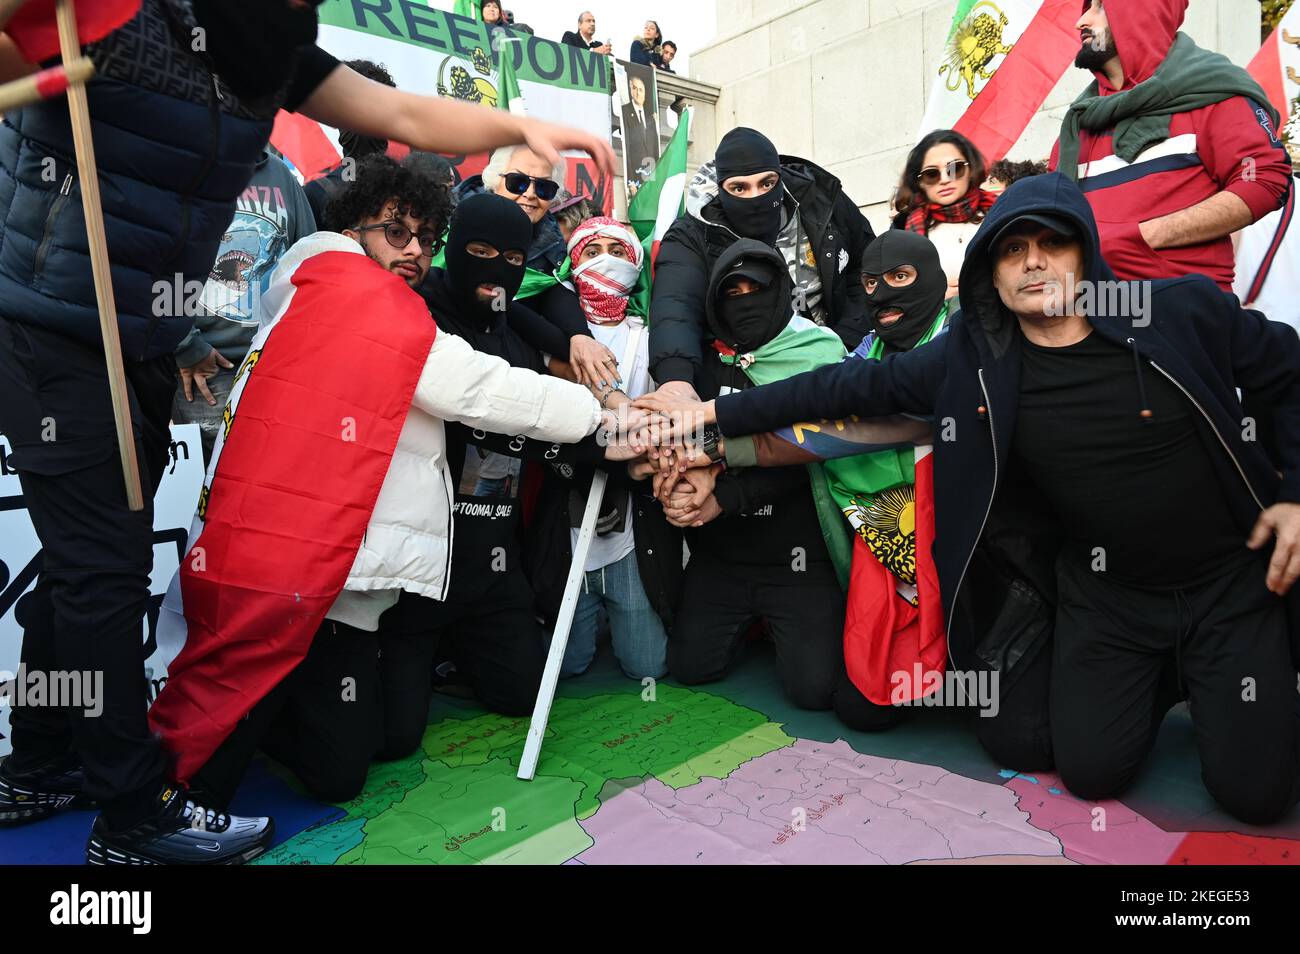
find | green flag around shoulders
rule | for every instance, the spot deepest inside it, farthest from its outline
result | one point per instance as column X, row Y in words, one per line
column 803, row 346
column 883, row 480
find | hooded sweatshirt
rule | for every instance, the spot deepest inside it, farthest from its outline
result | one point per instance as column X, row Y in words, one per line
column 767, row 512
column 1230, row 146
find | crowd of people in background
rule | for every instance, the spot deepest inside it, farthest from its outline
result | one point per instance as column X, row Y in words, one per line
column 649, row 49
column 503, row 322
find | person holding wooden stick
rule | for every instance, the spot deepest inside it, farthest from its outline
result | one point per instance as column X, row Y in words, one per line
column 181, row 106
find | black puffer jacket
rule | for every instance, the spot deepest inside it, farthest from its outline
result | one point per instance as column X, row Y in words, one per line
column 838, row 233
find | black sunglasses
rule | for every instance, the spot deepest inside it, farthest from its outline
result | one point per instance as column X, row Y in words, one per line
column 934, row 174
column 399, row 236
column 518, row 183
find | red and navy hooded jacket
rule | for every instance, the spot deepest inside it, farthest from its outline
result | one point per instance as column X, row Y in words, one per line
column 1228, row 147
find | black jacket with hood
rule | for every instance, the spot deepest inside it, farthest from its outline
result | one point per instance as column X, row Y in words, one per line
column 838, row 234
column 996, row 542
column 766, row 512
column 545, row 549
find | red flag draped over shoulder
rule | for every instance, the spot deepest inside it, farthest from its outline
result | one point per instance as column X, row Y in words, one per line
column 35, row 33
column 896, row 652
column 309, row 438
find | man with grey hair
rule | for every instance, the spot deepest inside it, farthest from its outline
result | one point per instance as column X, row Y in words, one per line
column 585, row 38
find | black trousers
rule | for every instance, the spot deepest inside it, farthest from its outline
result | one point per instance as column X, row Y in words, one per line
column 355, row 697
column 360, row 696
column 1122, row 655
column 804, row 612
column 87, row 610
column 493, row 638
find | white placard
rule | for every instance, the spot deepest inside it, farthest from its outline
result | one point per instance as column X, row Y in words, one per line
column 174, row 506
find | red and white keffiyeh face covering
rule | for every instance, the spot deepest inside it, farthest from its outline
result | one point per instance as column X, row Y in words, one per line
column 604, row 282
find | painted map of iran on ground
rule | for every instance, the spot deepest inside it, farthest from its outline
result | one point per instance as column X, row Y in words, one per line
column 1121, row 836
column 813, row 802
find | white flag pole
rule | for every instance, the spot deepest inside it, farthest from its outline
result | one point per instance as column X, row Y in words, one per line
column 560, row 639
column 568, row 605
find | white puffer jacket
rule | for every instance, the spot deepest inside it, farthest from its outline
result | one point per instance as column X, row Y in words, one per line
column 407, row 545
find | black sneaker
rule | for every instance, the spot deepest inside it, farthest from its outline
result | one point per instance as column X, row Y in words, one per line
column 30, row 796
column 181, row 833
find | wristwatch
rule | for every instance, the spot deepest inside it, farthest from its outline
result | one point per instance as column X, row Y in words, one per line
column 711, row 439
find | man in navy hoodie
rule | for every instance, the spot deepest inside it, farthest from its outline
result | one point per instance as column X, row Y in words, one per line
column 1103, row 505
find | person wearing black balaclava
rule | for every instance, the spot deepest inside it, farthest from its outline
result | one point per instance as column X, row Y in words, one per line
column 755, row 539
column 752, row 209
column 180, row 129
column 797, row 208
column 905, row 286
column 485, row 633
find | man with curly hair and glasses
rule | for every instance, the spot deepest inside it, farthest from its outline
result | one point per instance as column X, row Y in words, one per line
column 337, row 420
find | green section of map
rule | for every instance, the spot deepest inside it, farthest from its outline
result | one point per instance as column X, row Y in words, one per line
column 460, row 803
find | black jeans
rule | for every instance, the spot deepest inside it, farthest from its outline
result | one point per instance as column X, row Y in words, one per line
column 360, row 696
column 87, row 610
column 1121, row 656
column 329, row 718
column 804, row 612
column 494, row 639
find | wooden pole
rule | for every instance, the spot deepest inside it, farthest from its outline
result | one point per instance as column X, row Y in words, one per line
column 44, row 85
column 87, row 172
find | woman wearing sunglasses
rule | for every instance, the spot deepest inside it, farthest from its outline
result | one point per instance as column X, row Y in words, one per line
column 941, row 196
column 531, row 182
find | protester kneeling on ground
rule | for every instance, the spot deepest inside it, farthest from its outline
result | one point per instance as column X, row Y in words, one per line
column 525, row 178
column 1127, row 515
column 306, row 531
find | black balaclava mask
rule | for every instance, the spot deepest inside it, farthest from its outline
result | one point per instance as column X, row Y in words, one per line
column 747, row 322
column 919, row 301
column 500, row 223
column 747, row 152
column 256, row 63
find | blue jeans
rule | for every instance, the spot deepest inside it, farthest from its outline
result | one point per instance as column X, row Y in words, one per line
column 637, row 633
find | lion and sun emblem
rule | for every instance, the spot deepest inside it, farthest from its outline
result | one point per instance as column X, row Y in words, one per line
column 976, row 43
column 455, row 80
column 887, row 523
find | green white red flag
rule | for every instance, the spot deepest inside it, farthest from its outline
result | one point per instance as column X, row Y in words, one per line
column 1000, row 62
column 510, row 96
column 658, row 204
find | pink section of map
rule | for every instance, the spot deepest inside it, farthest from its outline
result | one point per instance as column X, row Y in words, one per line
column 814, row 802
column 1126, row 838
